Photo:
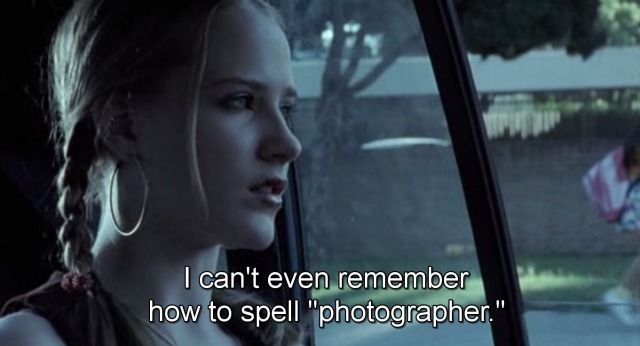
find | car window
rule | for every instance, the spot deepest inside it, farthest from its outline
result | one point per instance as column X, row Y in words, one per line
column 380, row 190
column 554, row 109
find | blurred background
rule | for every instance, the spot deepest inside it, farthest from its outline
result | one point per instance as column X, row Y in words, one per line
column 559, row 87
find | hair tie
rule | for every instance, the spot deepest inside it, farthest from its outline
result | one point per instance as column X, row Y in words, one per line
column 75, row 282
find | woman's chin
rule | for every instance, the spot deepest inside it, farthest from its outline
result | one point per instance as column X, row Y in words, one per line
column 257, row 236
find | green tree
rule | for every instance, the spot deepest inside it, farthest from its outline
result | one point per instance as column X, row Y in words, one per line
column 621, row 21
column 509, row 28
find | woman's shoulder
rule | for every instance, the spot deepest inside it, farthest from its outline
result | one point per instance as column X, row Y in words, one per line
column 27, row 328
column 38, row 317
column 63, row 315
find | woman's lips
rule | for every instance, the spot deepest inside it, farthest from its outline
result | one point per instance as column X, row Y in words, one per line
column 275, row 185
column 268, row 197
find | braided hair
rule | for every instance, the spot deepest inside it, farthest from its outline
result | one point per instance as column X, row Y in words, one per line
column 74, row 237
column 103, row 50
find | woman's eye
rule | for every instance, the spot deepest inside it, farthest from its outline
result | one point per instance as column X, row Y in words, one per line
column 288, row 110
column 238, row 101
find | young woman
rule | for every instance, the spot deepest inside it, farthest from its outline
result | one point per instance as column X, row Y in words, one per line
column 625, row 298
column 173, row 119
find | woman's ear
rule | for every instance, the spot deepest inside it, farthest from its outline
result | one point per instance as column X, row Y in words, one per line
column 119, row 130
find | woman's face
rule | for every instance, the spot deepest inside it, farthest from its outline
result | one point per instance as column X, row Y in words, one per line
column 233, row 155
column 244, row 145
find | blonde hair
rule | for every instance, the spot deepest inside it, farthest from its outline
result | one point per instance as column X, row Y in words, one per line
column 102, row 51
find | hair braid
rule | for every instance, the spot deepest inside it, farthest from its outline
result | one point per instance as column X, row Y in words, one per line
column 74, row 235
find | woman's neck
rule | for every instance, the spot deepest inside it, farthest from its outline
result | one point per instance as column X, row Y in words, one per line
column 140, row 270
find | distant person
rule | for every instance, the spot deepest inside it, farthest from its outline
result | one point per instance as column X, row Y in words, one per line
column 624, row 299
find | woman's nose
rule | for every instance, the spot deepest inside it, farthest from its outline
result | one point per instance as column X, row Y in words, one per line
column 279, row 144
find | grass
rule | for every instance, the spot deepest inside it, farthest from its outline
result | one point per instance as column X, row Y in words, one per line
column 542, row 279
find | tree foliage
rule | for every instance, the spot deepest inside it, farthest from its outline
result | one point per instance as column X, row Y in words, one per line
column 507, row 28
column 511, row 28
column 621, row 21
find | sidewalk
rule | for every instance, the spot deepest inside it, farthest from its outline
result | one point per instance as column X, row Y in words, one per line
column 545, row 328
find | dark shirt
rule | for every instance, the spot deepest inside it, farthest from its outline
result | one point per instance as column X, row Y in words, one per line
column 75, row 316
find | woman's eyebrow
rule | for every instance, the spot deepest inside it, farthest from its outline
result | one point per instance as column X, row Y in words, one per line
column 251, row 83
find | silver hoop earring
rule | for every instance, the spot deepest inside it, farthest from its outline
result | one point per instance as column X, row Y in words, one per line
column 121, row 230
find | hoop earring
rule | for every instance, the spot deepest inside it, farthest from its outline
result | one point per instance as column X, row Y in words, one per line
column 121, row 230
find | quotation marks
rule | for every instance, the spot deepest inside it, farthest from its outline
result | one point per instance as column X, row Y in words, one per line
column 312, row 304
column 499, row 305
